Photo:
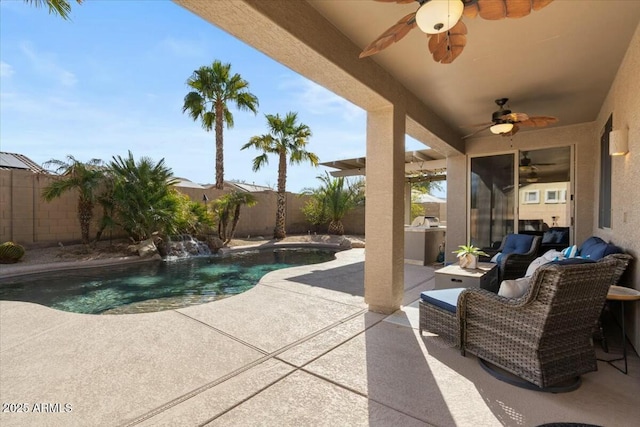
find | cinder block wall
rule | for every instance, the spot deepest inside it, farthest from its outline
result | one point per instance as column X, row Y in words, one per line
column 25, row 218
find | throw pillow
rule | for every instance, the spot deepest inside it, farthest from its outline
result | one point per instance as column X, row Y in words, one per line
column 496, row 258
column 514, row 288
column 552, row 255
column 535, row 264
column 570, row 252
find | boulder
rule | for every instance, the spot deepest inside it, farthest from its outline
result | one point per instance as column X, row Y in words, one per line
column 147, row 248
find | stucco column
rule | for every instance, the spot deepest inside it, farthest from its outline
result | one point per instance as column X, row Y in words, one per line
column 407, row 203
column 384, row 217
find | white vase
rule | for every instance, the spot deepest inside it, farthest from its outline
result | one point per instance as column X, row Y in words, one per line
column 469, row 261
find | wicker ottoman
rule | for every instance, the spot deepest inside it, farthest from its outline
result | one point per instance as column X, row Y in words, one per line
column 438, row 314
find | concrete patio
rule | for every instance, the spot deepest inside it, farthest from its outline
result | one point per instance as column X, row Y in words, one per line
column 299, row 349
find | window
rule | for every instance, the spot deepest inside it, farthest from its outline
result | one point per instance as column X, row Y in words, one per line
column 555, row 196
column 531, row 197
column 604, row 207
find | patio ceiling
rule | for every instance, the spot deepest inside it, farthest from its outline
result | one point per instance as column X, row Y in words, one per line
column 559, row 61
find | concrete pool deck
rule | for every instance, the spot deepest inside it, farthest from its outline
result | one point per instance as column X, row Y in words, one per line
column 298, row 349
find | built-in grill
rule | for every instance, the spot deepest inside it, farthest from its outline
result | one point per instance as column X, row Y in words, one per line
column 426, row 221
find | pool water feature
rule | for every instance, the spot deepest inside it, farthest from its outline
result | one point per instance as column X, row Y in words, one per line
column 155, row 286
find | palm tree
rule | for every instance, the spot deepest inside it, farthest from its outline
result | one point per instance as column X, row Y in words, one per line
column 238, row 200
column 141, row 193
column 336, row 200
column 285, row 137
column 214, row 87
column 58, row 7
column 85, row 178
column 225, row 206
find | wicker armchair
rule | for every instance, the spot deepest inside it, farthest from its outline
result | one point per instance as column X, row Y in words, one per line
column 516, row 257
column 544, row 336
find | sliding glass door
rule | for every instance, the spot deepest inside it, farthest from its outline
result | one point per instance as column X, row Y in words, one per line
column 492, row 201
column 530, row 196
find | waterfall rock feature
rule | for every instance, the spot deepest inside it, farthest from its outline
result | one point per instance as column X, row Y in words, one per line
column 185, row 245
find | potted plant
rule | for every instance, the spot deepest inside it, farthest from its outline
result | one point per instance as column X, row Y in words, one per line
column 468, row 255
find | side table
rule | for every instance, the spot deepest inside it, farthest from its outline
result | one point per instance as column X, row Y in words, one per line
column 622, row 294
column 453, row 276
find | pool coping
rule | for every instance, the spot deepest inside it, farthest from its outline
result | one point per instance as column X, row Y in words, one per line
column 26, row 270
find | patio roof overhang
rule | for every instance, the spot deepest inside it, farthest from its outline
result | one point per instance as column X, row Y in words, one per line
column 420, row 166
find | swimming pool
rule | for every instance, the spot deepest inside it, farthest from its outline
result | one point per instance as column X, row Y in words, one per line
column 155, row 286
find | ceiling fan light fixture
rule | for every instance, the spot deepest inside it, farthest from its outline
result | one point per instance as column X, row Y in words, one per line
column 438, row 16
column 499, row 128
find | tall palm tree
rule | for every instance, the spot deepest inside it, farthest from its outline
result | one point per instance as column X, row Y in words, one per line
column 286, row 137
column 85, row 178
column 213, row 88
column 58, row 7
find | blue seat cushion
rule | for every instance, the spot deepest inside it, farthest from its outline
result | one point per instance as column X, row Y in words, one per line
column 595, row 248
column 517, row 244
column 446, row 299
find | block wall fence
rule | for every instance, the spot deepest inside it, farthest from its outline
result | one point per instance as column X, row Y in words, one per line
column 27, row 219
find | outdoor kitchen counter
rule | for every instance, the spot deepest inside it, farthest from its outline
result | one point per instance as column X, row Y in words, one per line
column 422, row 244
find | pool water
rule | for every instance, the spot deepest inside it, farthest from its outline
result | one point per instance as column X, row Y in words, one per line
column 155, row 286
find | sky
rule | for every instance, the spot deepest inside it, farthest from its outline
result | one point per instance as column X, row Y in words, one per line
column 113, row 79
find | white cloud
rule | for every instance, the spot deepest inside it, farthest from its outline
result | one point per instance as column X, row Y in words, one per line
column 6, row 70
column 320, row 101
column 46, row 65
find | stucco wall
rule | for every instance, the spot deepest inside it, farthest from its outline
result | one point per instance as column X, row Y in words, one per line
column 27, row 219
column 623, row 101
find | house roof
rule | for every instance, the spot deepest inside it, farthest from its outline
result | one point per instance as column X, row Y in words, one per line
column 251, row 188
column 15, row 161
column 186, row 183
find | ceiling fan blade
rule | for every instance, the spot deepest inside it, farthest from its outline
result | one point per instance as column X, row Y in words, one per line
column 539, row 4
column 500, row 9
column 518, row 8
column 478, row 131
column 515, row 117
column 446, row 47
column 470, row 9
column 396, row 1
column 539, row 121
column 394, row 34
column 492, row 10
column 478, row 125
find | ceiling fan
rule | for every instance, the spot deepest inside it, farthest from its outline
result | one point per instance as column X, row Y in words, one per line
column 526, row 163
column 441, row 20
column 506, row 123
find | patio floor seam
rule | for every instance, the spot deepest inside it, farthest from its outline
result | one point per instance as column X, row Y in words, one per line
column 217, row 381
column 365, row 395
column 320, row 377
column 32, row 337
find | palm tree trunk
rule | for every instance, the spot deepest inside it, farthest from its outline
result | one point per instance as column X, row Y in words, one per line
column 281, row 213
column 85, row 212
column 219, row 147
column 234, row 223
column 336, row 227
